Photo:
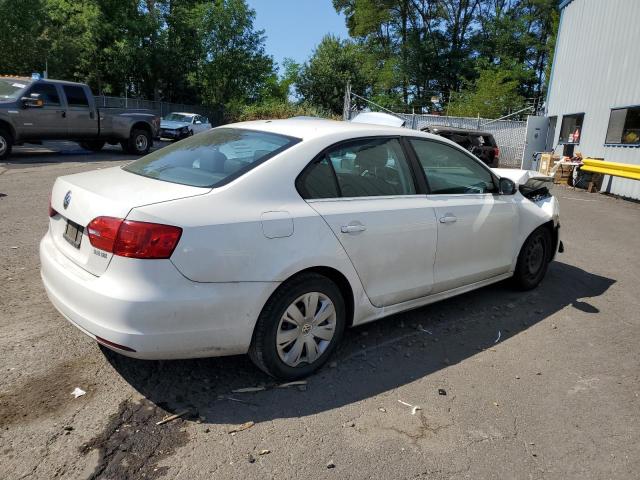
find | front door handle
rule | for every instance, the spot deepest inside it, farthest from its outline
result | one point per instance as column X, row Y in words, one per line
column 448, row 219
column 352, row 228
column 63, row 113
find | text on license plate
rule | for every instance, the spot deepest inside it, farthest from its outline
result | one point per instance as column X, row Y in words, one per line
column 73, row 233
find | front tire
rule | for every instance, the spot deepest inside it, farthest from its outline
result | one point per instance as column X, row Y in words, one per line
column 6, row 144
column 299, row 327
column 533, row 259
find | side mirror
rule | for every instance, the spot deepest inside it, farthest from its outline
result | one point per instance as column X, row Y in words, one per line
column 507, row 186
column 32, row 101
column 198, row 122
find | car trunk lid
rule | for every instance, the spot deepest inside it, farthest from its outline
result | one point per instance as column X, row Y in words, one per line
column 112, row 192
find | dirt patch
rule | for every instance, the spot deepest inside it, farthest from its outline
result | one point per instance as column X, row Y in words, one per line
column 45, row 394
column 132, row 445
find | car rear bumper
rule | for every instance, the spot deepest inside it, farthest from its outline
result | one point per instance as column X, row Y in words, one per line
column 148, row 307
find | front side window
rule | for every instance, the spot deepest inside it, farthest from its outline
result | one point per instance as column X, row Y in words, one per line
column 47, row 92
column 571, row 128
column 212, row 158
column 75, row 96
column 450, row 171
column 624, row 126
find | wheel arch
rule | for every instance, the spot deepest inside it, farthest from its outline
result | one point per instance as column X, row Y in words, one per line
column 341, row 282
column 141, row 126
column 555, row 237
column 8, row 127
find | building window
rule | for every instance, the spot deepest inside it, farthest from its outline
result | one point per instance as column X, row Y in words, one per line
column 624, row 126
column 571, row 128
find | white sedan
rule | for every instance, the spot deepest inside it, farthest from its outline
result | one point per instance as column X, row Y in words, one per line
column 272, row 237
column 177, row 126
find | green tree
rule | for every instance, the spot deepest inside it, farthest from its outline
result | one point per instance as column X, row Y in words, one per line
column 493, row 94
column 235, row 67
column 333, row 64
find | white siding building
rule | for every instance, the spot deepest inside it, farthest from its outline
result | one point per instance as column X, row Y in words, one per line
column 594, row 91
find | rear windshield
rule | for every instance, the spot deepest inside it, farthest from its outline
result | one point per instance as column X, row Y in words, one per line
column 10, row 88
column 212, row 158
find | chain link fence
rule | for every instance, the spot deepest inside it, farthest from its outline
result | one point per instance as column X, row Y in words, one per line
column 160, row 108
column 510, row 135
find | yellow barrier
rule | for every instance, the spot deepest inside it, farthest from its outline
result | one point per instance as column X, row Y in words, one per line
column 624, row 170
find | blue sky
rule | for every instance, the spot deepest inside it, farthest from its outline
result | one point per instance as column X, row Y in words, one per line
column 294, row 27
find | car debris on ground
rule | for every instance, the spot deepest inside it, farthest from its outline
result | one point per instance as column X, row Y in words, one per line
column 175, row 416
column 78, row 392
column 241, row 427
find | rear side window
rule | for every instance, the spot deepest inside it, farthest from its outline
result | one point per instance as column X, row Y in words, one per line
column 371, row 167
column 450, row 171
column 318, row 181
column 212, row 158
column 47, row 92
column 75, row 96
column 488, row 140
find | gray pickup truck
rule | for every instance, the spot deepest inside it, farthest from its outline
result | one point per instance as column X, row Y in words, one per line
column 35, row 110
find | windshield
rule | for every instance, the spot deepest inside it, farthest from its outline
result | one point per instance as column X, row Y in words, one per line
column 10, row 88
column 178, row 117
column 212, row 158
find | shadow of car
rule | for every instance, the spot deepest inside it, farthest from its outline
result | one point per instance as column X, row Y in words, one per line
column 373, row 359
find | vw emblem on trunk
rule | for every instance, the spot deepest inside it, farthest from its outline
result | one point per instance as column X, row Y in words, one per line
column 67, row 200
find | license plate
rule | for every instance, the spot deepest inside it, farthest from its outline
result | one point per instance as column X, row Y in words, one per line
column 73, row 233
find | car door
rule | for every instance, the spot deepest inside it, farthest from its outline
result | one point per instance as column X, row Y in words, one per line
column 197, row 126
column 365, row 190
column 81, row 117
column 476, row 225
column 48, row 121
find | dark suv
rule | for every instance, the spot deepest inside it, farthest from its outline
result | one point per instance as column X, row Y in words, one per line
column 481, row 144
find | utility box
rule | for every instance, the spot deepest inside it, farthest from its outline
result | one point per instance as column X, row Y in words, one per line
column 547, row 161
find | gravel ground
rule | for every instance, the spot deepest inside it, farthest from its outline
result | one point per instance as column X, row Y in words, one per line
column 556, row 397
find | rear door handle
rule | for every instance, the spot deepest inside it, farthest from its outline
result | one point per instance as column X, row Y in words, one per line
column 352, row 228
column 63, row 113
column 448, row 219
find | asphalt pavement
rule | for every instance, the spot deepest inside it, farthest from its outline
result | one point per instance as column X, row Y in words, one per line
column 494, row 384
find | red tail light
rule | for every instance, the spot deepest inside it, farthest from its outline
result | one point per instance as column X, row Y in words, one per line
column 128, row 238
column 103, row 232
column 496, row 152
column 52, row 212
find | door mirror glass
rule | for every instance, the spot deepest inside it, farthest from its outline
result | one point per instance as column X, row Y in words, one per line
column 32, row 101
column 507, row 186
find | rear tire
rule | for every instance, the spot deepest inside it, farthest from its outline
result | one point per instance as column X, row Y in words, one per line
column 139, row 142
column 289, row 342
column 6, row 144
column 533, row 259
column 94, row 145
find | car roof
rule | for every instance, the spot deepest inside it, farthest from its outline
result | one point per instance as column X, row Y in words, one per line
column 443, row 128
column 182, row 113
column 308, row 128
